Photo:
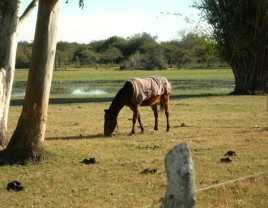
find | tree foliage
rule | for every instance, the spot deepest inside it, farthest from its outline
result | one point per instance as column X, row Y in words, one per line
column 175, row 54
column 110, row 55
column 23, row 55
column 191, row 50
column 80, row 3
column 240, row 30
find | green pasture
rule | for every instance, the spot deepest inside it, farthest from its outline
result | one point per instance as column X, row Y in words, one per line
column 116, row 74
column 214, row 124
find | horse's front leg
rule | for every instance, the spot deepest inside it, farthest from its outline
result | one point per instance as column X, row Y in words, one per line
column 134, row 119
column 154, row 108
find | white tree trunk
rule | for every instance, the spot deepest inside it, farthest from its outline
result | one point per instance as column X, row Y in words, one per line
column 9, row 25
column 9, row 29
column 26, row 143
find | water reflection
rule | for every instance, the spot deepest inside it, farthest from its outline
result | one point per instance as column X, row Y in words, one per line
column 90, row 92
column 19, row 94
column 102, row 87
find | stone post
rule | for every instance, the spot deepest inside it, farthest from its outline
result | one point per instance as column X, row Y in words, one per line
column 180, row 190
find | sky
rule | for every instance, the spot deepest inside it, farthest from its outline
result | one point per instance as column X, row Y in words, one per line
column 101, row 19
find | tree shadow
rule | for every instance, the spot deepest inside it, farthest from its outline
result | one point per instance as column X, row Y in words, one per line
column 80, row 137
column 19, row 101
column 202, row 95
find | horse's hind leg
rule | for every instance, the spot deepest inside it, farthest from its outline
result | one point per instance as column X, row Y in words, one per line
column 154, row 108
column 167, row 116
column 165, row 102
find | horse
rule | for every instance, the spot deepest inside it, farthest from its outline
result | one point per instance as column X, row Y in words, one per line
column 135, row 93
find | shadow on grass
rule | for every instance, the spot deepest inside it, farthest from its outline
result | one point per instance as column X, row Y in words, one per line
column 94, row 136
column 17, row 102
column 202, row 95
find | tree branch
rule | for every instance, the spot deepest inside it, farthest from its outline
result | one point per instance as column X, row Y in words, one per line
column 81, row 3
column 28, row 10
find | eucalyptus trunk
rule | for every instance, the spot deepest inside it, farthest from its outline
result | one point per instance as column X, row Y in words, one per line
column 9, row 23
column 9, row 29
column 26, row 144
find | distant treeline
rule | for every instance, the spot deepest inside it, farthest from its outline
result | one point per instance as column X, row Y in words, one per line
column 140, row 51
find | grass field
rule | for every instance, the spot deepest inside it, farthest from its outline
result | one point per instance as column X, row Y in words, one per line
column 214, row 125
column 115, row 74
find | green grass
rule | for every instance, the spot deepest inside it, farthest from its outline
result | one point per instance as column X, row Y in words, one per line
column 215, row 125
column 116, row 74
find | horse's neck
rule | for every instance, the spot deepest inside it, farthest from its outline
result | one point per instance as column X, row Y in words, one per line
column 119, row 102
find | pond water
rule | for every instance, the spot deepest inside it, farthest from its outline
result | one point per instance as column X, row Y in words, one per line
column 97, row 88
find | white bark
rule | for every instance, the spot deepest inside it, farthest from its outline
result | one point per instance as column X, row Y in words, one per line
column 26, row 144
column 8, row 48
column 42, row 61
column 9, row 29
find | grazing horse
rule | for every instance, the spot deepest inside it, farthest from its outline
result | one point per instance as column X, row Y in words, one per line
column 139, row 92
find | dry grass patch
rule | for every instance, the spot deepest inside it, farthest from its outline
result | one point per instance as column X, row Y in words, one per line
column 213, row 125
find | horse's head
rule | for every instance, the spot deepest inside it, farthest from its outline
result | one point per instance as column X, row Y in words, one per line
column 110, row 122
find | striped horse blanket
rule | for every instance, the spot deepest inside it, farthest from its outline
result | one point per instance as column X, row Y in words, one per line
column 148, row 87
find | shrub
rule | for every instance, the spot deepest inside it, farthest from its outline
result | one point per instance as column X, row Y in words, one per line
column 154, row 59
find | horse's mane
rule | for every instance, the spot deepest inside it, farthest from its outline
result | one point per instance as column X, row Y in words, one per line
column 122, row 97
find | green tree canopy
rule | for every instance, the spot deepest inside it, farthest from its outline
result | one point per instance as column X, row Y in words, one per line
column 191, row 50
column 110, row 55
